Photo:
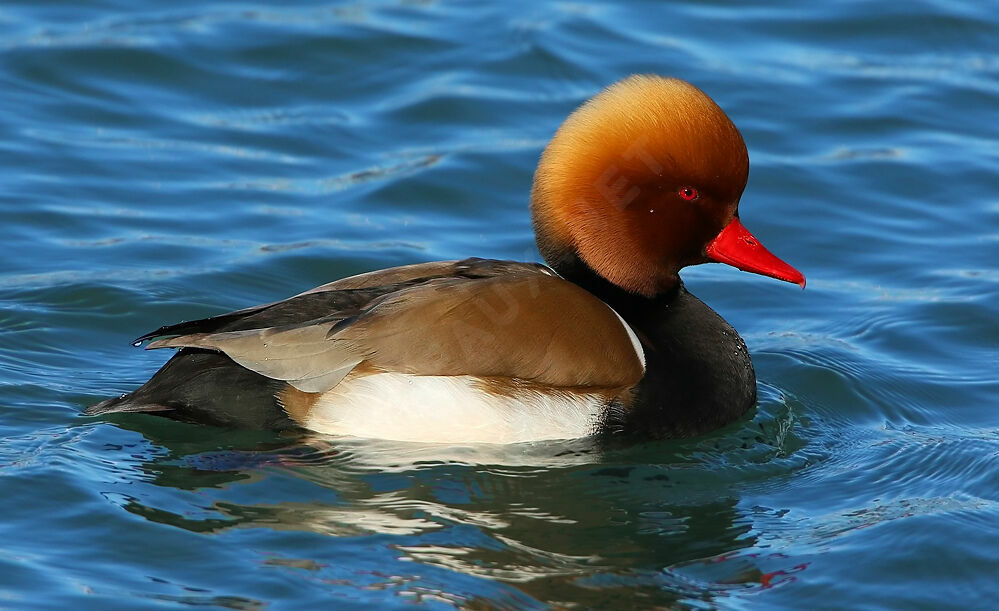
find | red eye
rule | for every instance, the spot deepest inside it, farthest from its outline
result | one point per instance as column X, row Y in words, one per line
column 688, row 193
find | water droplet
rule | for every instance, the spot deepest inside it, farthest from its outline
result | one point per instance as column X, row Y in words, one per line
column 137, row 343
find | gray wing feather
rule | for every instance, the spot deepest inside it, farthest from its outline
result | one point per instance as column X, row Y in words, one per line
column 302, row 356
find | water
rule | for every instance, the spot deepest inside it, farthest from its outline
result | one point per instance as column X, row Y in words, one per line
column 161, row 162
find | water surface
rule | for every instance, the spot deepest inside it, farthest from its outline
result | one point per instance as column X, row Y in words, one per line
column 161, row 162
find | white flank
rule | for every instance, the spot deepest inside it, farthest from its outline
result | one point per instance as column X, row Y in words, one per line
column 450, row 409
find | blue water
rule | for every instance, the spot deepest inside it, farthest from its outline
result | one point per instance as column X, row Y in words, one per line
column 167, row 161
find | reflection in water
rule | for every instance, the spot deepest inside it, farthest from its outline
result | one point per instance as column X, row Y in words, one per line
column 537, row 517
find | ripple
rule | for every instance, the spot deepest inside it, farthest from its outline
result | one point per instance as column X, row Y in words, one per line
column 169, row 148
column 267, row 118
column 337, row 183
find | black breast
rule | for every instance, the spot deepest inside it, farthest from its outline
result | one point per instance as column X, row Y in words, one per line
column 698, row 377
column 698, row 374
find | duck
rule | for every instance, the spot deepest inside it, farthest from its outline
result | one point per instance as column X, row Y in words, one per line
column 640, row 181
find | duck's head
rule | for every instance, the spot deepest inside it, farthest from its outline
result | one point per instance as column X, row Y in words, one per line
column 642, row 180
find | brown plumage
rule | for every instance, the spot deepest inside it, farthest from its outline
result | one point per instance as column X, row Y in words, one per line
column 443, row 325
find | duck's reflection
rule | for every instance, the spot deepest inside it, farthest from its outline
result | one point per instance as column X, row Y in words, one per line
column 656, row 521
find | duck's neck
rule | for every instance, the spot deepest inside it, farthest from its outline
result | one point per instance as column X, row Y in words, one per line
column 629, row 305
column 698, row 372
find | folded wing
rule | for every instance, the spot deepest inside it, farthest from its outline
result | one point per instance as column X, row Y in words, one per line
column 490, row 319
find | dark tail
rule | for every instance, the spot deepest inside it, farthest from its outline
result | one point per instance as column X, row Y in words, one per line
column 124, row 403
column 205, row 387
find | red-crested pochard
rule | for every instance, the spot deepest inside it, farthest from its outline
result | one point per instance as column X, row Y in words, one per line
column 640, row 181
